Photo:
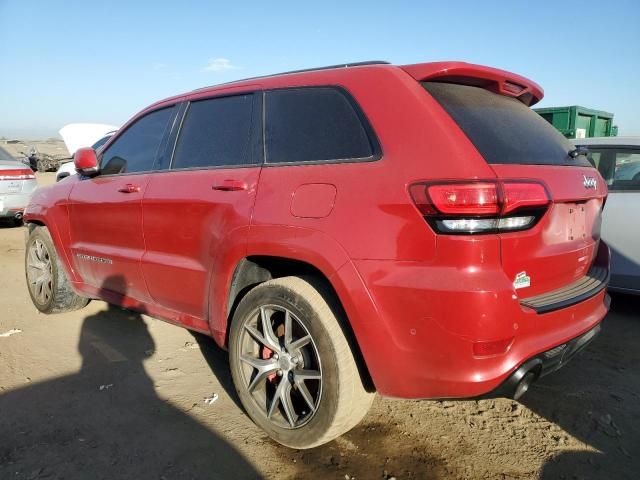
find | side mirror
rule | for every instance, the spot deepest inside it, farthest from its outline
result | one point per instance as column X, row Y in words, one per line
column 86, row 162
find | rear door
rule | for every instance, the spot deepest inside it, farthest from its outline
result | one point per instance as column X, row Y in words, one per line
column 106, row 211
column 519, row 144
column 202, row 204
column 620, row 167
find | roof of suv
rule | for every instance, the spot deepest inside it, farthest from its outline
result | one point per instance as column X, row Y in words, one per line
column 304, row 70
column 499, row 81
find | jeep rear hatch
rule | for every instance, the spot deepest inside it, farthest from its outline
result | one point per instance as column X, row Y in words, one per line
column 560, row 244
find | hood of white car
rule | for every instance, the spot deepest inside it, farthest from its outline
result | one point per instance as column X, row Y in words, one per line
column 78, row 135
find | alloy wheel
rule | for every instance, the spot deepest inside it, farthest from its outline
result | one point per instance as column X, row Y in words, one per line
column 40, row 272
column 280, row 366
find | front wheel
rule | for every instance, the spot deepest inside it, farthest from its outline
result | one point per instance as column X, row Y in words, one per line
column 292, row 365
column 48, row 285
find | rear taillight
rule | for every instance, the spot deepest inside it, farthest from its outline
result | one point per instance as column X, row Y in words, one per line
column 22, row 174
column 482, row 206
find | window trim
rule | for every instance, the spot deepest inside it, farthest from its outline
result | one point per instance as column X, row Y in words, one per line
column 616, row 148
column 187, row 103
column 374, row 142
column 165, row 136
column 169, row 145
column 169, row 141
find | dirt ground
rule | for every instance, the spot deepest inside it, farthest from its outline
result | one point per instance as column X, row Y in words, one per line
column 103, row 393
column 51, row 146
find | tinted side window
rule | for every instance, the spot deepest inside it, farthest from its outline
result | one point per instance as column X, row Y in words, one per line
column 315, row 123
column 220, row 131
column 101, row 142
column 136, row 149
column 619, row 167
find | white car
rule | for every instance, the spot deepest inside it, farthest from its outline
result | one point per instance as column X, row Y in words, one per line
column 78, row 135
column 17, row 183
column 618, row 161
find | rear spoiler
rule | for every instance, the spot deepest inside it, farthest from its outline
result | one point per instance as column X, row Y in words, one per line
column 493, row 79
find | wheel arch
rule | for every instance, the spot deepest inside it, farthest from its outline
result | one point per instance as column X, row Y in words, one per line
column 253, row 270
column 33, row 223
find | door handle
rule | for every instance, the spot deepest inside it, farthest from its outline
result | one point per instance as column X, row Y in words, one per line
column 129, row 188
column 230, row 186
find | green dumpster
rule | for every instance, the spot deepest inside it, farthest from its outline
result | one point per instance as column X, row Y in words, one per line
column 579, row 122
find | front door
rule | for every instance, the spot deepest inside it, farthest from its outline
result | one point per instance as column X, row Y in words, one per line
column 107, row 242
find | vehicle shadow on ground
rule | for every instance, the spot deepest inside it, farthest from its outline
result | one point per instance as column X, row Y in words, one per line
column 106, row 421
column 595, row 400
column 592, row 399
column 218, row 361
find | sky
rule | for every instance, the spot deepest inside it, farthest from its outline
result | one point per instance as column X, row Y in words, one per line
column 103, row 61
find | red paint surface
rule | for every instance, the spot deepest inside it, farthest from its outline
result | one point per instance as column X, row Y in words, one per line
column 85, row 158
column 416, row 301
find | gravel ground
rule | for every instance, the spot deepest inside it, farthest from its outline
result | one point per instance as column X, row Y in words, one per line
column 106, row 393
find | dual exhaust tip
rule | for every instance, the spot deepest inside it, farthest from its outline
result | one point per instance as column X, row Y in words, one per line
column 524, row 384
column 517, row 384
column 520, row 380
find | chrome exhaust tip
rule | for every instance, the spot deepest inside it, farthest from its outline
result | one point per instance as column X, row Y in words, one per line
column 517, row 384
column 524, row 384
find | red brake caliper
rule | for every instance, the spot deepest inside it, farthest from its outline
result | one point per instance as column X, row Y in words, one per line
column 266, row 354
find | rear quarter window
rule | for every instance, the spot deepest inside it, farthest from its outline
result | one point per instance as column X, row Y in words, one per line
column 313, row 124
column 503, row 129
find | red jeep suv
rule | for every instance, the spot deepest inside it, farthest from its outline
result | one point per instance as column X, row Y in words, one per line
column 416, row 231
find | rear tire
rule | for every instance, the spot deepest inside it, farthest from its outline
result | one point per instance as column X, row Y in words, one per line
column 287, row 348
column 48, row 285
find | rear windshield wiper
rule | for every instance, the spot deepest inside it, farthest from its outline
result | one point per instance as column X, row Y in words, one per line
column 578, row 151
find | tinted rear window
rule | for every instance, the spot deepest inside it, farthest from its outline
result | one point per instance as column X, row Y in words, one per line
column 503, row 129
column 220, row 132
column 314, row 124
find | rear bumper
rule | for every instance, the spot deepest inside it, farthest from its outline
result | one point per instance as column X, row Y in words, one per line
column 547, row 362
column 13, row 204
column 595, row 280
column 428, row 318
